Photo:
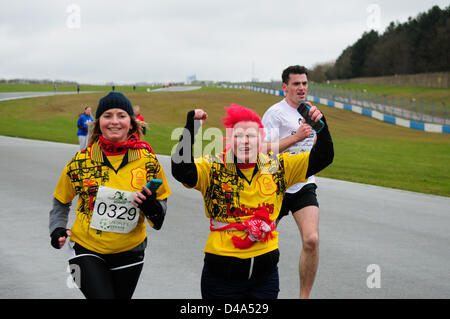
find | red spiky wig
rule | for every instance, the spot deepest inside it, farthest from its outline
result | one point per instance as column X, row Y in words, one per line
column 237, row 113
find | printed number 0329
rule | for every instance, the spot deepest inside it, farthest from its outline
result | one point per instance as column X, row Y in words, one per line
column 112, row 210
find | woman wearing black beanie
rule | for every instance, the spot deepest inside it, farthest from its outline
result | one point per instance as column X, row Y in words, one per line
column 108, row 237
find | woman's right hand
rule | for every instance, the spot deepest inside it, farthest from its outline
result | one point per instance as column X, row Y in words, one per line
column 59, row 236
column 200, row 115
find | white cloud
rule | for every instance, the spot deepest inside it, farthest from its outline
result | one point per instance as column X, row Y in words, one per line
column 167, row 40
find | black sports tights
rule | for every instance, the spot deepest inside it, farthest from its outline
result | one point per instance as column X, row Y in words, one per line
column 97, row 281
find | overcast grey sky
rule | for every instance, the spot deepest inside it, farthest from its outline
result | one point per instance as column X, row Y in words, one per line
column 129, row 41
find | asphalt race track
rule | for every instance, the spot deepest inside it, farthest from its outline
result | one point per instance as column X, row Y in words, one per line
column 6, row 96
column 394, row 241
column 177, row 89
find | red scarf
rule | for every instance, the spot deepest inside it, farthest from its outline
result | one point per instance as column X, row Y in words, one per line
column 258, row 228
column 110, row 148
column 239, row 165
column 245, row 165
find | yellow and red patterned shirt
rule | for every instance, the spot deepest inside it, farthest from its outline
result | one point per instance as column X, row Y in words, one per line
column 231, row 196
column 86, row 172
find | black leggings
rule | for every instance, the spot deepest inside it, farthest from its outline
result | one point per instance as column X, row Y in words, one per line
column 113, row 276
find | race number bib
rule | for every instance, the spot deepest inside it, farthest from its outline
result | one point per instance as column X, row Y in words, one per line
column 296, row 150
column 113, row 211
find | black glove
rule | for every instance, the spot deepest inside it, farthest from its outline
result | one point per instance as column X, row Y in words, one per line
column 56, row 234
column 153, row 210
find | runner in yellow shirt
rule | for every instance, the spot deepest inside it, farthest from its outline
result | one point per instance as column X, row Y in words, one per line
column 243, row 190
column 108, row 237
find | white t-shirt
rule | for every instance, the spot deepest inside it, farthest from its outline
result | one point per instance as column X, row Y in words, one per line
column 280, row 121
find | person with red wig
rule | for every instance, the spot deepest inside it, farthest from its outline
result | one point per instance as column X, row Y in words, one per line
column 243, row 190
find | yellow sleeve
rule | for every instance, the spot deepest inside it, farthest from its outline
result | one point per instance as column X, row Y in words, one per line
column 295, row 167
column 164, row 190
column 203, row 169
column 64, row 191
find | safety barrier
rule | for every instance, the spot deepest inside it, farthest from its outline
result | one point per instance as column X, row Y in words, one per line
column 422, row 126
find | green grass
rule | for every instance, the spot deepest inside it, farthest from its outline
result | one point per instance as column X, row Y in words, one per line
column 406, row 165
column 366, row 150
column 159, row 137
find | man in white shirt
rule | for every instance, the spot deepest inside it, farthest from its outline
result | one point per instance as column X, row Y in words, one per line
column 286, row 130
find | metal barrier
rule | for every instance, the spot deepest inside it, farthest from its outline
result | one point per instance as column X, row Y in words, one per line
column 364, row 103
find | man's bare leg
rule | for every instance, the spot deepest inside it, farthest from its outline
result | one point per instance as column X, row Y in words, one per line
column 307, row 220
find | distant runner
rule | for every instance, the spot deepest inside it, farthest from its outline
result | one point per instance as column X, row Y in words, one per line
column 83, row 123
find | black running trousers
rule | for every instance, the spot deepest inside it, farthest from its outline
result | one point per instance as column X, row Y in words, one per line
column 106, row 276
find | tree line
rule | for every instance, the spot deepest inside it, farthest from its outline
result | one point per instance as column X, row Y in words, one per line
column 420, row 45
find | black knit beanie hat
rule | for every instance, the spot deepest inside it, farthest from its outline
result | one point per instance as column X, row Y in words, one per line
column 114, row 100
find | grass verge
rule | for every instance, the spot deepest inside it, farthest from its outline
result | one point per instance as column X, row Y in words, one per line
column 366, row 150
